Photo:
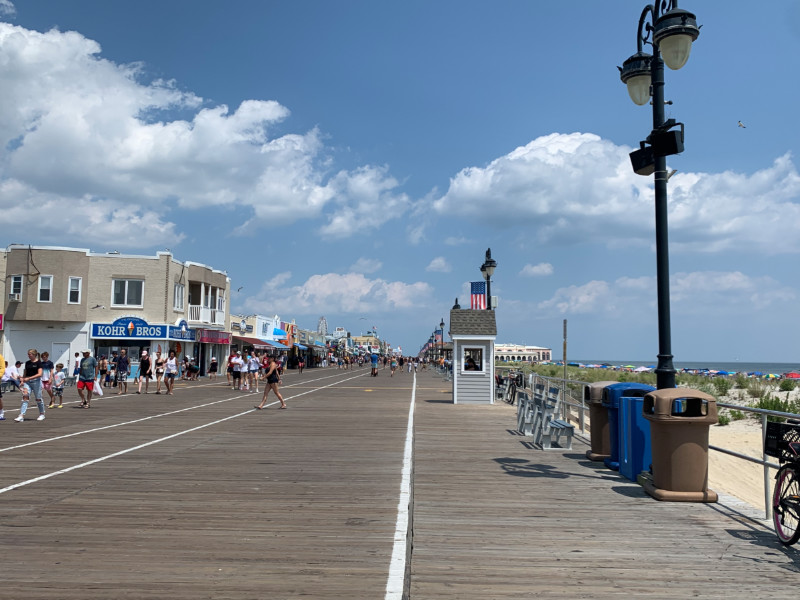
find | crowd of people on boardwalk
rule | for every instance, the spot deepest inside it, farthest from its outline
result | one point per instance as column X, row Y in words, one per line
column 92, row 376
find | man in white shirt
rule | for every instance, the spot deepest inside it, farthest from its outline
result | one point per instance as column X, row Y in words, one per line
column 238, row 367
column 12, row 373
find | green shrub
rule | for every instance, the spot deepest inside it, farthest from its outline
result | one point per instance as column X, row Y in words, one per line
column 756, row 388
column 740, row 381
column 775, row 403
column 787, row 385
column 723, row 420
column 722, row 385
column 737, row 415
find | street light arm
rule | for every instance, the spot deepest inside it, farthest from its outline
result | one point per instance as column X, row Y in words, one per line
column 644, row 38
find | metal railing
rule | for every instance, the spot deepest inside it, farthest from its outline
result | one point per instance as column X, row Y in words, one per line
column 205, row 314
column 570, row 388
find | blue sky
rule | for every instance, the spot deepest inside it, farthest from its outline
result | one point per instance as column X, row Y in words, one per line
column 355, row 159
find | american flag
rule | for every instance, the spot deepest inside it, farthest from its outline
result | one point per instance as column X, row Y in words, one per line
column 477, row 298
column 437, row 334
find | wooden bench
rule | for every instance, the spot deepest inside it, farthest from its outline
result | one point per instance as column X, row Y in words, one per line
column 553, row 433
column 547, row 429
column 524, row 412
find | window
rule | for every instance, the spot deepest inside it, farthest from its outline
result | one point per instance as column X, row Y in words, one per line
column 473, row 359
column 75, row 284
column 16, row 284
column 128, row 292
column 179, row 295
column 45, row 288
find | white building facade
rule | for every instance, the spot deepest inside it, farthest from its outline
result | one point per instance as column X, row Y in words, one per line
column 517, row 353
column 64, row 300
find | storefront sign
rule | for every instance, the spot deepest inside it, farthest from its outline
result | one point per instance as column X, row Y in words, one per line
column 211, row 336
column 130, row 328
column 181, row 333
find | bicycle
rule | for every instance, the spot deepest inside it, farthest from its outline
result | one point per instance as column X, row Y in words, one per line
column 783, row 442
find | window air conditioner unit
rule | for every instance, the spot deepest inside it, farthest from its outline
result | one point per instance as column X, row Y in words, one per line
column 15, row 297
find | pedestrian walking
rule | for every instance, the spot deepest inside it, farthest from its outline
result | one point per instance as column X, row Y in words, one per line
column 32, row 380
column 47, row 376
column 170, row 371
column 87, row 370
column 159, row 371
column 212, row 370
column 273, row 380
column 123, row 369
column 145, row 372
column 58, row 385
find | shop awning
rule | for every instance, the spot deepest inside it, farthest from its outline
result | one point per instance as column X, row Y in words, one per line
column 278, row 331
column 274, row 344
column 248, row 341
column 301, row 346
column 320, row 344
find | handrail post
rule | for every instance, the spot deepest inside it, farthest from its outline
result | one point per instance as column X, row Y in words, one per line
column 767, row 503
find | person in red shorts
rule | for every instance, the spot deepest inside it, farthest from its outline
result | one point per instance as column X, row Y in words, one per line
column 86, row 375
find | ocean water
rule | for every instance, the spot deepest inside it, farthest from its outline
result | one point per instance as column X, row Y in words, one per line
column 731, row 367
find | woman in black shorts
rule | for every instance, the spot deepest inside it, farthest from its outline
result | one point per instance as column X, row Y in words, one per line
column 273, row 379
column 212, row 370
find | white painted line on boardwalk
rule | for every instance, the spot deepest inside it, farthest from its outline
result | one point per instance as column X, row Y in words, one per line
column 166, row 414
column 397, row 565
column 153, row 442
column 132, row 395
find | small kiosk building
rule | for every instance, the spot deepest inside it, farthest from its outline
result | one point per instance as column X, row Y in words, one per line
column 473, row 333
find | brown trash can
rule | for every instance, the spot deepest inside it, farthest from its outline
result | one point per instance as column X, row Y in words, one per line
column 598, row 421
column 679, row 421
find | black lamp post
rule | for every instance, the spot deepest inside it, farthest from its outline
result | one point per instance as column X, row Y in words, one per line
column 441, row 348
column 487, row 270
column 673, row 30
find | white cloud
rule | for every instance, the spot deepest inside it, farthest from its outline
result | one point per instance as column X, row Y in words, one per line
column 364, row 198
column 537, row 270
column 95, row 222
column 439, row 265
column 698, row 293
column 350, row 293
column 366, row 265
column 7, row 8
column 74, row 125
column 571, row 188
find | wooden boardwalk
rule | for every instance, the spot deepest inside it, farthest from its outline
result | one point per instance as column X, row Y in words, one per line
column 199, row 496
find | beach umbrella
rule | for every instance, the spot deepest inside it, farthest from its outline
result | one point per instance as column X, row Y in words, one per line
column 641, row 369
column 792, row 375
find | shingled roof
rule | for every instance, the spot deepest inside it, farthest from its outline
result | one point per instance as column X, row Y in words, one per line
column 473, row 322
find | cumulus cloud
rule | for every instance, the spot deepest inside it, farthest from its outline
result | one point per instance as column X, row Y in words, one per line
column 7, row 8
column 366, row 265
column 439, row 265
column 349, row 293
column 364, row 198
column 695, row 293
column 571, row 188
column 75, row 125
column 539, row 270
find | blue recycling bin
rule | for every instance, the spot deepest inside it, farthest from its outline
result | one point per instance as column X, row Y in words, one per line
column 612, row 396
column 635, row 453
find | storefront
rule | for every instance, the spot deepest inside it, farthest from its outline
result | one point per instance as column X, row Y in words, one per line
column 134, row 335
column 212, row 344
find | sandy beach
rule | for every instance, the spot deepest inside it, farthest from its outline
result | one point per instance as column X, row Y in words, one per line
column 734, row 476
